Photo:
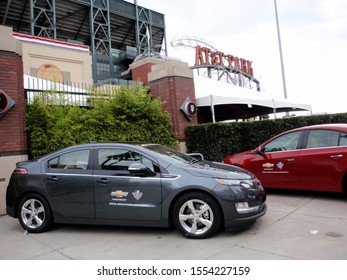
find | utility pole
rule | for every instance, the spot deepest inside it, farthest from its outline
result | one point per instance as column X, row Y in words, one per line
column 281, row 56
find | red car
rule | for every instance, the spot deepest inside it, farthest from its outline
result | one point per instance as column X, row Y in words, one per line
column 306, row 158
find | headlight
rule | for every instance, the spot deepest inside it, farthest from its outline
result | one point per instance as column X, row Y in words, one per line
column 228, row 182
column 246, row 184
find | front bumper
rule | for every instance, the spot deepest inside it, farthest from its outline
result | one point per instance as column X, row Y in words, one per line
column 240, row 221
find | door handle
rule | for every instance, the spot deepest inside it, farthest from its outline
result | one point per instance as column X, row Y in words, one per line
column 103, row 181
column 52, row 179
column 336, row 156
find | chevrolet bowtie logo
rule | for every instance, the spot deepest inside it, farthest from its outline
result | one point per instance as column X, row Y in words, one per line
column 119, row 194
column 268, row 165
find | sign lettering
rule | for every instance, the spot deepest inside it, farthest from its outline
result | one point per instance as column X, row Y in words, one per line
column 204, row 56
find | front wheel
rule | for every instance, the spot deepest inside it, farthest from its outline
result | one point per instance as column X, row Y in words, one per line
column 196, row 215
column 34, row 215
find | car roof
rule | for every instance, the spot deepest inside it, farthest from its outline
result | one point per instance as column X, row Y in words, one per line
column 104, row 144
column 331, row 126
column 337, row 126
column 138, row 145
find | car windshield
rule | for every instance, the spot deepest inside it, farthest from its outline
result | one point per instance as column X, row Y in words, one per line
column 170, row 155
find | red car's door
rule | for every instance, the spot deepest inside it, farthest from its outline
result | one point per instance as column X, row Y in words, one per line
column 277, row 169
column 277, row 164
column 323, row 163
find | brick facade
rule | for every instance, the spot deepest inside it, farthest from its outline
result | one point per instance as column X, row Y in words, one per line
column 174, row 91
column 140, row 73
column 173, row 82
column 12, row 124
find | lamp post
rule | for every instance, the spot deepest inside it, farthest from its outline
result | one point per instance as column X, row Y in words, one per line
column 281, row 56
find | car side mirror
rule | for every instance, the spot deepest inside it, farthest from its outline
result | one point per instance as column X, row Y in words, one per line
column 138, row 169
column 261, row 150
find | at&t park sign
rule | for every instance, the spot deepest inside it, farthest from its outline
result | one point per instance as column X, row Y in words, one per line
column 233, row 66
column 205, row 56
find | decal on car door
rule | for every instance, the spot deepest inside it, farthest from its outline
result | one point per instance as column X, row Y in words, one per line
column 271, row 168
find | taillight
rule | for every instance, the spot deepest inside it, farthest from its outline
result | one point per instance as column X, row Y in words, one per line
column 19, row 170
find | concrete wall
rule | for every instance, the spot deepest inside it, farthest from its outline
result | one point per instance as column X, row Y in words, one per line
column 37, row 55
column 7, row 165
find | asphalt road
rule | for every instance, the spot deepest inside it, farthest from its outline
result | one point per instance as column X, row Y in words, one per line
column 302, row 226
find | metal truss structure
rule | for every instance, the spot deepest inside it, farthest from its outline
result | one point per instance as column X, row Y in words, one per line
column 43, row 23
column 100, row 27
column 112, row 28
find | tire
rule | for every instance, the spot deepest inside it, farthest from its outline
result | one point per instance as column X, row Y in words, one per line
column 34, row 214
column 196, row 215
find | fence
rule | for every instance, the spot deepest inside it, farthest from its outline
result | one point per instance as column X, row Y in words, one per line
column 69, row 93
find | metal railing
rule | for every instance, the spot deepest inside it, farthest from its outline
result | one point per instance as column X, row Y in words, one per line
column 68, row 93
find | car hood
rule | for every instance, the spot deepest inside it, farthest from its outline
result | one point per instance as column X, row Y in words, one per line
column 242, row 154
column 217, row 170
column 238, row 158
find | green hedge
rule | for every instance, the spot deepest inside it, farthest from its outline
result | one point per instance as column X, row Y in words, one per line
column 123, row 115
column 215, row 141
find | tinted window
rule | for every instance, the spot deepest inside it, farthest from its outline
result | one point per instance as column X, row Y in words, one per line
column 72, row 160
column 120, row 159
column 324, row 138
column 285, row 142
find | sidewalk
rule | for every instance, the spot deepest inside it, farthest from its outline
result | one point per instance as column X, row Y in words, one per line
column 304, row 226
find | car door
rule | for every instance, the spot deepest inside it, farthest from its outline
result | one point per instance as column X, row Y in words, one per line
column 119, row 195
column 69, row 183
column 323, row 162
column 276, row 164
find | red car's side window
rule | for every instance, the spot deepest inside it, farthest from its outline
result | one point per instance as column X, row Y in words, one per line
column 343, row 139
column 322, row 138
column 285, row 142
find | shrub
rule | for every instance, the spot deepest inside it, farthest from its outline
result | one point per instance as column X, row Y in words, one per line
column 122, row 114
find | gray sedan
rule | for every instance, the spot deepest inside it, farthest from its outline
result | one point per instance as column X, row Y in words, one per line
column 133, row 185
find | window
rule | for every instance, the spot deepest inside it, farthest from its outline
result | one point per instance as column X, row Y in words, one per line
column 343, row 139
column 103, row 68
column 285, row 142
column 323, row 138
column 33, row 72
column 66, row 77
column 72, row 160
column 121, row 159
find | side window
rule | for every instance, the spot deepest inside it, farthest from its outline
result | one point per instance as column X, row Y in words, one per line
column 72, row 160
column 285, row 142
column 322, row 138
column 120, row 159
column 343, row 139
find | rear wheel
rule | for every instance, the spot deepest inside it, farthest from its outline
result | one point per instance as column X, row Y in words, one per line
column 34, row 214
column 196, row 215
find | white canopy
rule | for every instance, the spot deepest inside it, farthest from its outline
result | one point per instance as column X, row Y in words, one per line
column 227, row 102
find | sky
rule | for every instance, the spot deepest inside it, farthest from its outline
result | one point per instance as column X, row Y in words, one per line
column 313, row 37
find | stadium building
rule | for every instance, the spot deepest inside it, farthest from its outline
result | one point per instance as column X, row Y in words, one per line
column 115, row 32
